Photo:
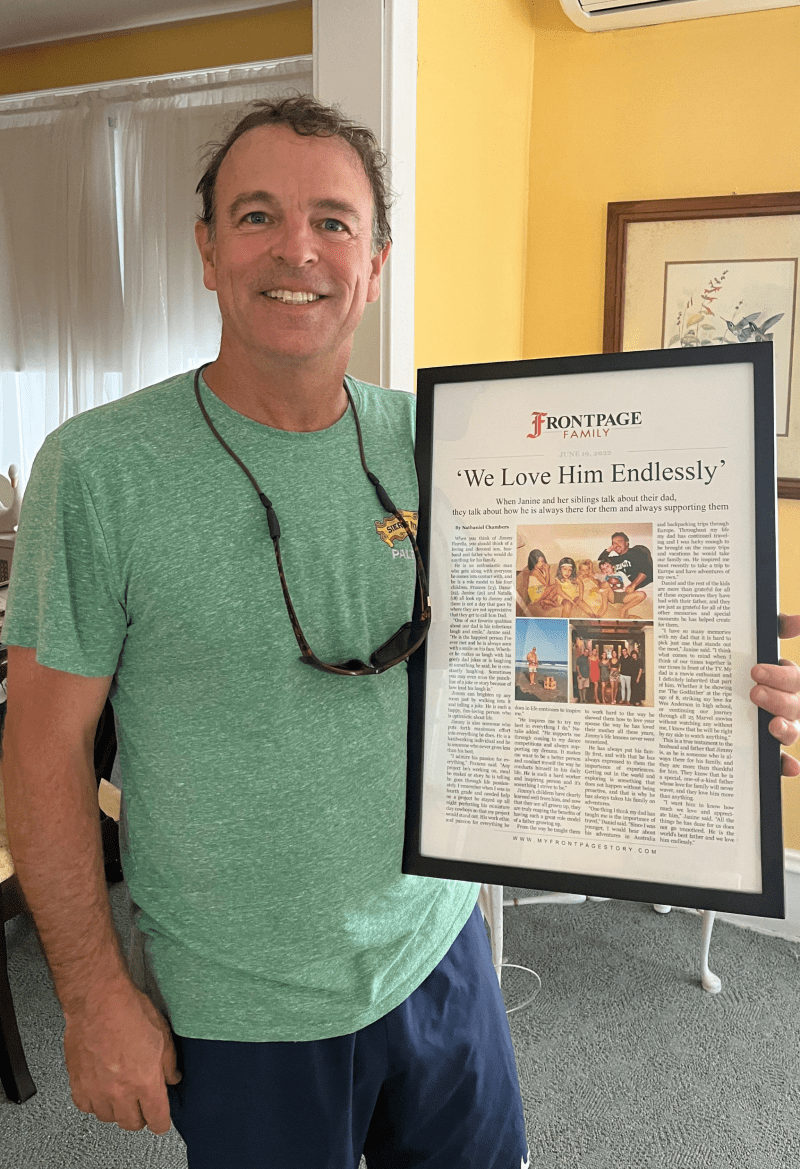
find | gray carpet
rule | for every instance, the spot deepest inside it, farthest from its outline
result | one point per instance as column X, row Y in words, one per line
column 625, row 1062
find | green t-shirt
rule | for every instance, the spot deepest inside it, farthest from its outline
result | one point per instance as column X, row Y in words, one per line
column 263, row 800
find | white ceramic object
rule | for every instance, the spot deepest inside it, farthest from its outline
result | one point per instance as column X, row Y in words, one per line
column 9, row 516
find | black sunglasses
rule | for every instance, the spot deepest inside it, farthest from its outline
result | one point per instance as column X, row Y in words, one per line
column 409, row 637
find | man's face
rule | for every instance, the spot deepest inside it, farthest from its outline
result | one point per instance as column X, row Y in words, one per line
column 619, row 545
column 293, row 215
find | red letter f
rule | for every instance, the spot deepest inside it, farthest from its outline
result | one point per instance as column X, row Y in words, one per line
column 537, row 420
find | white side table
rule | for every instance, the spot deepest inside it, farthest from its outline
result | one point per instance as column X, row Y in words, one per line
column 491, row 902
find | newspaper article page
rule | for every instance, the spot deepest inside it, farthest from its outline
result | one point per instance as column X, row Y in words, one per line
column 593, row 595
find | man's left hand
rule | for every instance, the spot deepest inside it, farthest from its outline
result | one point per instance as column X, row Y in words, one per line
column 778, row 691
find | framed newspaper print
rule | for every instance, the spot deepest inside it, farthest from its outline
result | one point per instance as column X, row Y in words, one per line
column 600, row 536
column 703, row 272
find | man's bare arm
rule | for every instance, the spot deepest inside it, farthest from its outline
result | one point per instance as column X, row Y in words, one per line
column 54, row 823
column 118, row 1048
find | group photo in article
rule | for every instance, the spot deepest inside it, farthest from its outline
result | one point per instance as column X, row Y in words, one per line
column 584, row 608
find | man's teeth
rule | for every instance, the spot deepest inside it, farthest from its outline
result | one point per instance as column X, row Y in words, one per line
column 292, row 297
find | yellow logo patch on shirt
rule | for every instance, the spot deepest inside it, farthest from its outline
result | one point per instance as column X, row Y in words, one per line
column 391, row 529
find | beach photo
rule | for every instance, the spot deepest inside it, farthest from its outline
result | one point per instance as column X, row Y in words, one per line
column 541, row 672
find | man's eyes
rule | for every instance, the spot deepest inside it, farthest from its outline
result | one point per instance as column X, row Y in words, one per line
column 256, row 218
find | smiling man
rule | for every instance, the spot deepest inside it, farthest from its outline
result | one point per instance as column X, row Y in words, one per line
column 289, row 246
column 207, row 552
column 290, row 998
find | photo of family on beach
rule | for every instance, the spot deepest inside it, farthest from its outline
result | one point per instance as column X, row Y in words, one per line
column 542, row 662
column 584, row 570
column 595, row 663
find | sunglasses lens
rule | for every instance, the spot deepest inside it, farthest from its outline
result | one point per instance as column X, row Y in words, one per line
column 354, row 666
column 395, row 647
column 401, row 645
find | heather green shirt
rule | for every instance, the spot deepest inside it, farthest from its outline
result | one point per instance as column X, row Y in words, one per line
column 263, row 801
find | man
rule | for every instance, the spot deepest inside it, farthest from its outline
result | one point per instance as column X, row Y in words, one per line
column 533, row 664
column 637, row 565
column 627, row 669
column 583, row 674
column 304, row 1000
column 637, row 687
column 290, row 999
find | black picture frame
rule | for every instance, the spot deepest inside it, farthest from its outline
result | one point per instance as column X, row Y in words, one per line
column 770, row 902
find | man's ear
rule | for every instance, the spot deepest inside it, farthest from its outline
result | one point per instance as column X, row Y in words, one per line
column 207, row 253
column 377, row 262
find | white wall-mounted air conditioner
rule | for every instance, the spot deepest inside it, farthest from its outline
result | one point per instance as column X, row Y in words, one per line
column 601, row 15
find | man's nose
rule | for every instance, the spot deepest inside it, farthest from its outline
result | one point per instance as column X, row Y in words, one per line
column 294, row 242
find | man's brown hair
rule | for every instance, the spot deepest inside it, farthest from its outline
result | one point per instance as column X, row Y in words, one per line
column 307, row 117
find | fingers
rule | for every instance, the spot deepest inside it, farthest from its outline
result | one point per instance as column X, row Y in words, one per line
column 784, row 707
column 784, row 677
column 788, row 626
column 784, row 731
column 789, row 765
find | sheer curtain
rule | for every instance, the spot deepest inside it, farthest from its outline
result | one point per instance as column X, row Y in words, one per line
column 61, row 308
column 101, row 289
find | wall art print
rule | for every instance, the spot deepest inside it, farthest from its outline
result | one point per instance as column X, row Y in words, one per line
column 686, row 273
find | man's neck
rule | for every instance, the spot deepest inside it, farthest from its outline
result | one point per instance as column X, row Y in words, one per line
column 285, row 395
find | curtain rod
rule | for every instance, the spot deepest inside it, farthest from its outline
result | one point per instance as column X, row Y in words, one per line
column 188, row 76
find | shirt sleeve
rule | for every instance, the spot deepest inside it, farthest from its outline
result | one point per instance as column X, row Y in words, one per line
column 641, row 561
column 62, row 598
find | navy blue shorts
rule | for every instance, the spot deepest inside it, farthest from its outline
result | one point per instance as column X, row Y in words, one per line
column 431, row 1085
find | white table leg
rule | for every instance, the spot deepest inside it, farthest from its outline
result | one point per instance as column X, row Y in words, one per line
column 548, row 899
column 711, row 982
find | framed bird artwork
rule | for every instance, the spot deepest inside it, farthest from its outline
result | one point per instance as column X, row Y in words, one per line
column 719, row 270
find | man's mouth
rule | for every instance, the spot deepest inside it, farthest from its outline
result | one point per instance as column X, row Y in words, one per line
column 287, row 297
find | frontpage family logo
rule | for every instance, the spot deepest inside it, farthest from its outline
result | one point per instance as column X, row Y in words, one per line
column 582, row 425
column 537, row 418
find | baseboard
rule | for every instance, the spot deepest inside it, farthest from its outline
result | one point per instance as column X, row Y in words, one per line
column 789, row 927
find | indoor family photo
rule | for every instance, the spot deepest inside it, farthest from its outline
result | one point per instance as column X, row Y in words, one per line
column 585, row 570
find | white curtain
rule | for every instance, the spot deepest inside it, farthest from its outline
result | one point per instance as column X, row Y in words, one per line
column 60, row 292
column 101, row 289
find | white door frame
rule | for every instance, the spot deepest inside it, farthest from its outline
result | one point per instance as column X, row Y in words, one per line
column 365, row 58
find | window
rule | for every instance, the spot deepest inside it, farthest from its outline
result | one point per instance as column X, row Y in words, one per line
column 101, row 288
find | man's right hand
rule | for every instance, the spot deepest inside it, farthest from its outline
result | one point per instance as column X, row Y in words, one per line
column 120, row 1055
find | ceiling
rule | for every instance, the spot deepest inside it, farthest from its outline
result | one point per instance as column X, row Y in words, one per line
column 33, row 22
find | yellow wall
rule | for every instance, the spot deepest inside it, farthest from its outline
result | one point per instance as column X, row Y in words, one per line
column 146, row 52
column 697, row 107
column 700, row 107
column 473, row 127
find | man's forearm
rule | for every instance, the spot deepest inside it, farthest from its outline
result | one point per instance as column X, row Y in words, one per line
column 54, row 835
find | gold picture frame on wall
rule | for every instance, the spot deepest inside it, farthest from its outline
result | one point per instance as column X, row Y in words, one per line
column 720, row 270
